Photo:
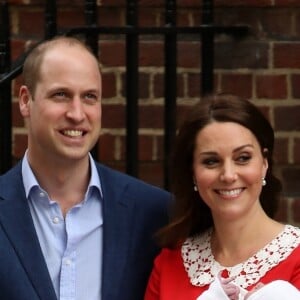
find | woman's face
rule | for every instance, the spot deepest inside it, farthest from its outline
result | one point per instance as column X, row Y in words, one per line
column 228, row 168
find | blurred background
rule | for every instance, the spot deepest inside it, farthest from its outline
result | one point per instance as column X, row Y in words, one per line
column 158, row 58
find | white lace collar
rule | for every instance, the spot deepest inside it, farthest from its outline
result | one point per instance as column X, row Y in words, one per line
column 202, row 268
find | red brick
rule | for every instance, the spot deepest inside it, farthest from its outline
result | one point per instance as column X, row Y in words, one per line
column 152, row 173
column 240, row 15
column 159, row 85
column 70, row 18
column 282, row 212
column 20, row 145
column 297, row 24
column 271, row 86
column 146, row 148
column 106, row 147
column 160, row 147
column 287, row 3
column 286, row 55
column 17, row 118
column 144, row 85
column 189, row 3
column 278, row 22
column 16, row 86
column 17, row 48
column 148, row 17
column 182, row 111
column 196, row 17
column 151, row 116
column 247, row 3
column 239, row 84
column 183, row 19
column 116, row 165
column 295, row 209
column 290, row 178
column 113, row 116
column 297, row 150
column 188, row 55
column 270, row 24
column 241, row 54
column 152, row 3
column 122, row 142
column 158, row 88
column 287, row 118
column 109, row 87
column 295, row 85
column 110, row 17
column 112, row 53
column 281, row 150
column 151, row 53
column 194, row 84
column 119, row 3
column 31, row 23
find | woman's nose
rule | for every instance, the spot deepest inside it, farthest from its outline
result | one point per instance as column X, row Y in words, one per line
column 228, row 173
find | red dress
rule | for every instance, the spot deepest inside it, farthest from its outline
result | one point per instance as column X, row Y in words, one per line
column 186, row 272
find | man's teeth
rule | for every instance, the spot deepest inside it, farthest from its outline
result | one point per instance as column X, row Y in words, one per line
column 234, row 192
column 73, row 132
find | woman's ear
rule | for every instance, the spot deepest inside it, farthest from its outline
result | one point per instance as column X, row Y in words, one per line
column 25, row 99
column 265, row 152
column 265, row 158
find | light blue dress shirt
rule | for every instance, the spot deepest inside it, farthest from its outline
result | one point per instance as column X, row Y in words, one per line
column 72, row 246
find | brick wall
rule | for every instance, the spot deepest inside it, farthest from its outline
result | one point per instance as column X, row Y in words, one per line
column 264, row 66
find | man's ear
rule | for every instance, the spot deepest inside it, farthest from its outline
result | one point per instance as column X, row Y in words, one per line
column 25, row 99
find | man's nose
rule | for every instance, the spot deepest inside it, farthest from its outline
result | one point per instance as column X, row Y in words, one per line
column 75, row 110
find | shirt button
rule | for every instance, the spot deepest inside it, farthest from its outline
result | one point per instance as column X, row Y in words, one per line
column 55, row 220
column 68, row 262
column 42, row 194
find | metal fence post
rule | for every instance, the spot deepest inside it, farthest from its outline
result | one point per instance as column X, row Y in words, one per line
column 5, row 91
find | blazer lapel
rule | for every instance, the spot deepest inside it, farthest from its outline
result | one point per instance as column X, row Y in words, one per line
column 17, row 223
column 117, row 216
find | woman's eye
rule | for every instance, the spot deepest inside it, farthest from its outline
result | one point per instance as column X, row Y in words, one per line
column 210, row 162
column 243, row 158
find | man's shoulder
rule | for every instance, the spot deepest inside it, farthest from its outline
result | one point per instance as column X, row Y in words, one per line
column 11, row 175
column 11, row 182
column 133, row 184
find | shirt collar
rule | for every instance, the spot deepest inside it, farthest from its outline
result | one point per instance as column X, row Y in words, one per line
column 30, row 181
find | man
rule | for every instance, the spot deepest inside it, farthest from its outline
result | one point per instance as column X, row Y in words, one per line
column 71, row 228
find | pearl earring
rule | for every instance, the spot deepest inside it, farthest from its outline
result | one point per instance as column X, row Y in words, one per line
column 195, row 188
column 264, row 181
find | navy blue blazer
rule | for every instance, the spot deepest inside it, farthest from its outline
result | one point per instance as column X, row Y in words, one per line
column 132, row 212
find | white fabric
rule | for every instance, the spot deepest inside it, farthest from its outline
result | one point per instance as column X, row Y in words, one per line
column 276, row 290
column 216, row 292
column 202, row 268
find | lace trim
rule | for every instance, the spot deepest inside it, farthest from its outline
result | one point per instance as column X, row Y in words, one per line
column 202, row 268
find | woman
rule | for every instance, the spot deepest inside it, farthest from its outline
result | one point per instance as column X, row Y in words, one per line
column 222, row 240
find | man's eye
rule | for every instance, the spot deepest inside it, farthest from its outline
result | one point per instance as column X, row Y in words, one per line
column 91, row 98
column 59, row 95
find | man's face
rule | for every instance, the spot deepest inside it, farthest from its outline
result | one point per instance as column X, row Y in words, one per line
column 64, row 113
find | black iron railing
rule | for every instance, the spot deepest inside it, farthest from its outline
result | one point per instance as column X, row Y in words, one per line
column 91, row 31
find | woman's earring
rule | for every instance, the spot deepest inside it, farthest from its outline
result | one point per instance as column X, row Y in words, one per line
column 264, row 181
column 195, row 188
